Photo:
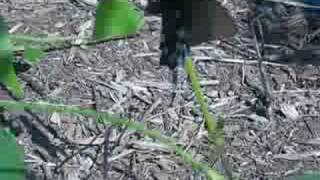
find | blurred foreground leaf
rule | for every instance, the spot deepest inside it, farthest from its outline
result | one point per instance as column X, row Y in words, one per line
column 117, row 18
column 11, row 157
column 7, row 73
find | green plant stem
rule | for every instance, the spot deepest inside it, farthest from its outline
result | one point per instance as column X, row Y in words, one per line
column 215, row 132
column 56, row 42
column 210, row 122
column 49, row 39
column 116, row 121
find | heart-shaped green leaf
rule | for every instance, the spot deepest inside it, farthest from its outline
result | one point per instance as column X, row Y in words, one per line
column 11, row 157
column 7, row 73
column 117, row 18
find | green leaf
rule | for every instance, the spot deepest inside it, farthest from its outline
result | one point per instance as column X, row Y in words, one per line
column 308, row 175
column 33, row 55
column 116, row 18
column 11, row 157
column 7, row 73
